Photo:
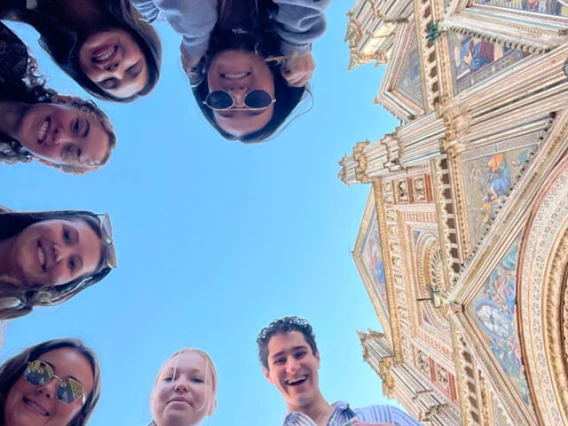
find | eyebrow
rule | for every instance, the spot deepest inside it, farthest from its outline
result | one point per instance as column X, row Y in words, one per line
column 295, row 348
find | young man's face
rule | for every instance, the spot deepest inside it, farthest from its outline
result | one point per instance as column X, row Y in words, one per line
column 293, row 369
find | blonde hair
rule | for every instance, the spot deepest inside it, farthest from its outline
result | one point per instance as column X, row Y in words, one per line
column 210, row 367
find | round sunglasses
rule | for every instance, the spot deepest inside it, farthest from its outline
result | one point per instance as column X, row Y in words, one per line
column 68, row 390
column 220, row 100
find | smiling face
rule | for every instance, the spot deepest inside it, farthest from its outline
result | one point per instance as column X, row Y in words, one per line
column 62, row 134
column 55, row 252
column 29, row 405
column 239, row 72
column 293, row 369
column 183, row 394
column 114, row 61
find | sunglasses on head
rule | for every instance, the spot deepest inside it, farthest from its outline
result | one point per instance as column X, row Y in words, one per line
column 220, row 100
column 106, row 233
column 68, row 390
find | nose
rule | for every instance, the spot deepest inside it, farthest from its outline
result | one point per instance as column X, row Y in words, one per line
column 292, row 365
column 238, row 93
column 61, row 252
column 112, row 66
column 60, row 136
column 48, row 390
column 181, row 386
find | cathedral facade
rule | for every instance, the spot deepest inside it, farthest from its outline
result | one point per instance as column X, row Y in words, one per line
column 463, row 245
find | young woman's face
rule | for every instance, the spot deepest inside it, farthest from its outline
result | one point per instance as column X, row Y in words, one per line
column 62, row 134
column 55, row 252
column 239, row 72
column 113, row 61
column 29, row 405
column 183, row 393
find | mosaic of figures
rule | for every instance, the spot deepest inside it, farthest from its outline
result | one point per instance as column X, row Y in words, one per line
column 372, row 257
column 475, row 60
column 410, row 81
column 494, row 311
column 545, row 7
column 489, row 172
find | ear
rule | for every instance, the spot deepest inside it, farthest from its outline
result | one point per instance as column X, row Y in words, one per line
column 61, row 99
column 267, row 375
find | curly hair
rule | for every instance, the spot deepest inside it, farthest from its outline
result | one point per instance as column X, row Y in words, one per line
column 32, row 90
column 13, row 369
column 283, row 326
column 20, row 299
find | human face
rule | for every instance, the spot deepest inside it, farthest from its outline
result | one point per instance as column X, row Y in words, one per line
column 183, row 393
column 61, row 134
column 239, row 72
column 113, row 61
column 29, row 405
column 55, row 252
column 293, row 369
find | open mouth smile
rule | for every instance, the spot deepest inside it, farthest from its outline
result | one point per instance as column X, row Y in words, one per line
column 35, row 407
column 43, row 131
column 105, row 54
column 297, row 381
column 41, row 257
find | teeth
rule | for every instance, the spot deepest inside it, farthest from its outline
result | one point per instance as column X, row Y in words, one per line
column 236, row 76
column 37, row 407
column 298, row 380
column 43, row 130
column 105, row 55
column 41, row 256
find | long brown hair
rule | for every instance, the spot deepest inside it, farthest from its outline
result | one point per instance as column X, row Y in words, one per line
column 12, row 370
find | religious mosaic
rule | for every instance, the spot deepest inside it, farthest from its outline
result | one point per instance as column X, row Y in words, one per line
column 494, row 311
column 475, row 60
column 489, row 172
column 409, row 83
column 372, row 257
column 544, row 7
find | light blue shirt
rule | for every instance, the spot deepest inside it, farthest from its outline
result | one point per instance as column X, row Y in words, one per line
column 343, row 413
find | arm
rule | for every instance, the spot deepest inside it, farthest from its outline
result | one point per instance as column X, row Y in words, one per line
column 300, row 22
column 194, row 20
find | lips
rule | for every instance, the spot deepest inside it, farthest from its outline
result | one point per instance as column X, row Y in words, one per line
column 44, row 131
column 297, row 381
column 235, row 75
column 35, row 407
column 103, row 55
column 41, row 256
column 180, row 399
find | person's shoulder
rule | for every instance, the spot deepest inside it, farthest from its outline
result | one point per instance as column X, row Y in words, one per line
column 382, row 413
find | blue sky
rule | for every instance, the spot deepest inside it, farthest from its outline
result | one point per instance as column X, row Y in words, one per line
column 215, row 239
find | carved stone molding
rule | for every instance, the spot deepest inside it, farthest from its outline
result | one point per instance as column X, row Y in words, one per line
column 542, row 309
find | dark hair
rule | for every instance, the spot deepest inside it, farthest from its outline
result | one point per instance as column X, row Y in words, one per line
column 282, row 326
column 31, row 90
column 13, row 369
column 19, row 300
column 62, row 43
column 264, row 41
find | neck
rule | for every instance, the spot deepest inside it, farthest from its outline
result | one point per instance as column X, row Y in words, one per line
column 11, row 114
column 7, row 266
column 319, row 410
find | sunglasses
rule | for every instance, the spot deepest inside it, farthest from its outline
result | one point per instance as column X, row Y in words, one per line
column 220, row 100
column 106, row 233
column 68, row 390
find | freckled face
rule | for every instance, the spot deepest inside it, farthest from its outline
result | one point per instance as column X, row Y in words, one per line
column 63, row 134
column 55, row 252
column 114, row 61
column 183, row 394
column 239, row 72
column 29, row 405
column 293, row 368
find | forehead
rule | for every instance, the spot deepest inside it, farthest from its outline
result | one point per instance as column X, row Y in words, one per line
column 282, row 342
column 186, row 361
column 68, row 362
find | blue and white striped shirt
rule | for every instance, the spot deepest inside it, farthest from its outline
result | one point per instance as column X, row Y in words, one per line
column 343, row 413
